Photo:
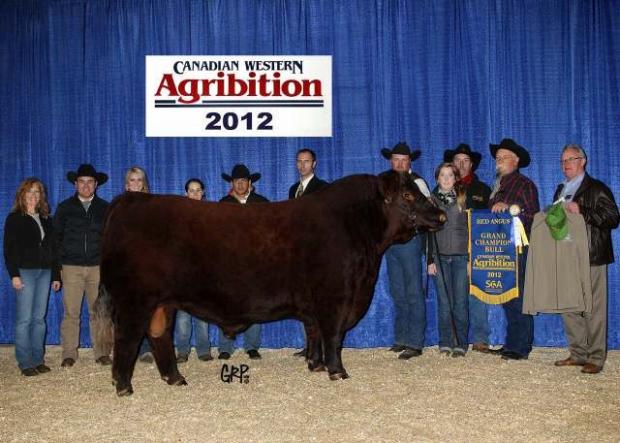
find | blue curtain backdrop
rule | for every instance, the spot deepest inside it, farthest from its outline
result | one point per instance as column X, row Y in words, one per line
column 433, row 73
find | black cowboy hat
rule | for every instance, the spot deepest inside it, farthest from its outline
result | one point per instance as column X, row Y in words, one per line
column 403, row 149
column 87, row 170
column 241, row 171
column 463, row 148
column 511, row 145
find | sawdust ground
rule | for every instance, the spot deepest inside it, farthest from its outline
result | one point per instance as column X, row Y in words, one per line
column 432, row 398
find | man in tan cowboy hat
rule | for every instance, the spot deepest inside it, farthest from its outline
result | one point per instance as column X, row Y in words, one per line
column 77, row 225
column 514, row 189
column 477, row 194
column 242, row 191
column 404, row 265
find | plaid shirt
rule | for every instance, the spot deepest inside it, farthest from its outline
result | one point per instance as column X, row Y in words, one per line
column 517, row 189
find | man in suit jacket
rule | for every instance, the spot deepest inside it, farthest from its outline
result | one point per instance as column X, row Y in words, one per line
column 308, row 181
column 587, row 332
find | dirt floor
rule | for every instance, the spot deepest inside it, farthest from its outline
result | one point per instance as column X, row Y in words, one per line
column 432, row 398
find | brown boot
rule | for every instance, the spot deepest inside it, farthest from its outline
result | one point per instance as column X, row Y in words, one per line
column 480, row 347
column 591, row 368
column 569, row 362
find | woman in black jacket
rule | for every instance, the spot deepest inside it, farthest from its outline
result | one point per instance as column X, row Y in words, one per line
column 31, row 263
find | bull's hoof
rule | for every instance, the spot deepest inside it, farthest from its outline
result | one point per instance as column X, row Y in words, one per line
column 339, row 376
column 180, row 382
column 124, row 392
column 175, row 381
column 316, row 366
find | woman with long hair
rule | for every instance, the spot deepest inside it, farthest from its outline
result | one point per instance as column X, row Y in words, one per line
column 448, row 261
column 137, row 181
column 31, row 262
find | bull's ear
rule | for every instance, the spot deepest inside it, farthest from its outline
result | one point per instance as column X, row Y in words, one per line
column 389, row 184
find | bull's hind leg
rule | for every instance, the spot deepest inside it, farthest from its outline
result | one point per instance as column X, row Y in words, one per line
column 314, row 348
column 160, row 336
column 128, row 334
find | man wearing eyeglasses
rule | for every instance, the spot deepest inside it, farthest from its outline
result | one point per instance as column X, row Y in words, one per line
column 587, row 331
column 514, row 189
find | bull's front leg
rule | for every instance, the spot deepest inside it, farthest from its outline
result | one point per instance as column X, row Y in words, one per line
column 160, row 336
column 333, row 358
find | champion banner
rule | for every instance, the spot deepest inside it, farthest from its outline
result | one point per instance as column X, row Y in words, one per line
column 493, row 257
column 238, row 96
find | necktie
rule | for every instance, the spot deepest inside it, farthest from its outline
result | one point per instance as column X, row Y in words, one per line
column 300, row 190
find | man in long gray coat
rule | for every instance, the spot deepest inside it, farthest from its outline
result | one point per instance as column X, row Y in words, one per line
column 587, row 332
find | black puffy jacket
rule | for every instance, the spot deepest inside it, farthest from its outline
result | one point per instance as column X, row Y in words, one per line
column 600, row 212
column 78, row 232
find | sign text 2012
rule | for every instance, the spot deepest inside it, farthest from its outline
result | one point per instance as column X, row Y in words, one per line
column 231, row 121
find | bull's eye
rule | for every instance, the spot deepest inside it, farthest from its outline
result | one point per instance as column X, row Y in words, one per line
column 408, row 196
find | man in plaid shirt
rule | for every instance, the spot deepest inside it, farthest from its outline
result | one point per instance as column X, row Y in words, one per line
column 514, row 189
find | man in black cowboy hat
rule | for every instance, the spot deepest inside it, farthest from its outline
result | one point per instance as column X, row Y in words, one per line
column 513, row 189
column 77, row 226
column 404, row 264
column 477, row 194
column 467, row 161
column 242, row 191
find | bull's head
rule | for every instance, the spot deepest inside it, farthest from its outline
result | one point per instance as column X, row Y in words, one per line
column 407, row 209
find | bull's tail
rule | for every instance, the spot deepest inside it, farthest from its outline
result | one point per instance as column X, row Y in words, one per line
column 103, row 332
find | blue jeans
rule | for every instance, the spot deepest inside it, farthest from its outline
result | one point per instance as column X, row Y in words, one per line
column 145, row 346
column 31, row 307
column 183, row 330
column 452, row 286
column 404, row 265
column 519, row 326
column 478, row 320
column 251, row 338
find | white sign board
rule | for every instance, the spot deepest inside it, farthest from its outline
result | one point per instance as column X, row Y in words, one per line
column 238, row 96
